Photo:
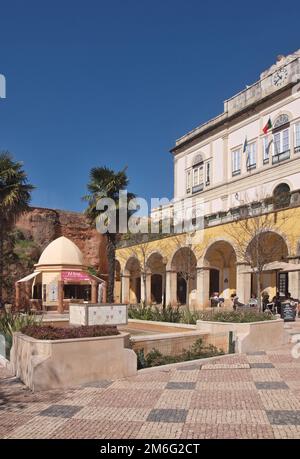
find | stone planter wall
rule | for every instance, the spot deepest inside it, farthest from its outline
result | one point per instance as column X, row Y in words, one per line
column 252, row 336
column 47, row 364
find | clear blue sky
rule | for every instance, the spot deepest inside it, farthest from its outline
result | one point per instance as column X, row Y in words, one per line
column 115, row 82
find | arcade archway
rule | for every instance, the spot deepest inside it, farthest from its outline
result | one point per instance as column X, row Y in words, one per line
column 133, row 271
column 220, row 258
column 157, row 270
column 184, row 263
column 265, row 248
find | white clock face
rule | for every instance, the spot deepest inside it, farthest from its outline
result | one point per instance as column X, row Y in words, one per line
column 280, row 76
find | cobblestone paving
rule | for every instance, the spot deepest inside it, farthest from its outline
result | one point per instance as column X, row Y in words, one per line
column 238, row 396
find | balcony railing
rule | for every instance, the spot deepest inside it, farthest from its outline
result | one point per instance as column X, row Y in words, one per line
column 197, row 188
column 237, row 172
column 245, row 211
column 281, row 157
column 251, row 166
column 297, row 149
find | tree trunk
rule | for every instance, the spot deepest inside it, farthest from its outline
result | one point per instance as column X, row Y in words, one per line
column 258, row 288
column 144, row 277
column 111, row 257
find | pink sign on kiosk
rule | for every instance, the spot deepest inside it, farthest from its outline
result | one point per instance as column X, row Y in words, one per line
column 74, row 276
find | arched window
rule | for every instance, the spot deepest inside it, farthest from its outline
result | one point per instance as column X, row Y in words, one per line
column 198, row 176
column 281, row 139
column 282, row 196
column 281, row 120
column 198, row 159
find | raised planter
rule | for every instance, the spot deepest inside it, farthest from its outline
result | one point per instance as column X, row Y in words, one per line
column 51, row 364
column 249, row 336
column 98, row 314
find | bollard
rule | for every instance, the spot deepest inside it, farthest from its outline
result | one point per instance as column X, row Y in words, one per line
column 231, row 345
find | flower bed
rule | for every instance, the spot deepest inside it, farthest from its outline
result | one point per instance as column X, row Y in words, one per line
column 199, row 350
column 52, row 333
column 244, row 316
column 176, row 314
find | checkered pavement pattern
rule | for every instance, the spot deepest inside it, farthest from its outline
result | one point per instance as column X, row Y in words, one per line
column 237, row 396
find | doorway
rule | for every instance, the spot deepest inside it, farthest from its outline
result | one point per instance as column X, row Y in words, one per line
column 181, row 289
column 156, row 288
column 214, row 281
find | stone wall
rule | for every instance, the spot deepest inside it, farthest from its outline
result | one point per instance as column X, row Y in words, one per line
column 39, row 227
column 45, row 225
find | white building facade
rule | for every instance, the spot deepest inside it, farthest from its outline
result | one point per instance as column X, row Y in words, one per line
column 230, row 160
column 227, row 169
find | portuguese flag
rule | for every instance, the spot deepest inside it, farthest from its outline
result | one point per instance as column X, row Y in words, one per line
column 268, row 126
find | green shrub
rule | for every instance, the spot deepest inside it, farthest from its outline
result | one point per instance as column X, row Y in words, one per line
column 177, row 314
column 245, row 316
column 189, row 317
column 141, row 312
column 12, row 322
column 198, row 350
column 167, row 314
column 141, row 361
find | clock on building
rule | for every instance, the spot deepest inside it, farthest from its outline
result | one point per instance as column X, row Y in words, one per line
column 280, row 76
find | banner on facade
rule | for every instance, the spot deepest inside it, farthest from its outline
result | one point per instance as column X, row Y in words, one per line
column 74, row 276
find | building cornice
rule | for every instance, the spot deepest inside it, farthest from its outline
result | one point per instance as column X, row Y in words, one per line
column 224, row 119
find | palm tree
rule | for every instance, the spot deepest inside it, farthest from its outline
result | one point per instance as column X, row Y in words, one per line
column 104, row 182
column 15, row 195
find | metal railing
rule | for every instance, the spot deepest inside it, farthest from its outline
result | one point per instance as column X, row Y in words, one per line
column 234, row 214
column 282, row 156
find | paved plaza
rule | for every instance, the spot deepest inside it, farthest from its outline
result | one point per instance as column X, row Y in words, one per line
column 235, row 396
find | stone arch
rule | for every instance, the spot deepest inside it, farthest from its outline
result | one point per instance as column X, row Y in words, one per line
column 213, row 241
column 132, row 271
column 283, row 181
column 153, row 253
column 220, row 259
column 184, row 264
column 271, row 246
column 198, row 159
column 281, row 119
column 281, row 195
column 156, row 264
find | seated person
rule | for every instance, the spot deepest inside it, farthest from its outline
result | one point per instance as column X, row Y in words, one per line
column 216, row 300
column 265, row 300
column 277, row 302
column 236, row 302
column 253, row 300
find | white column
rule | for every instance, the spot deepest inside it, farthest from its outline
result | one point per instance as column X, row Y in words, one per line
column 146, row 296
column 294, row 280
column 202, row 287
column 125, row 288
column 171, row 288
column 243, row 282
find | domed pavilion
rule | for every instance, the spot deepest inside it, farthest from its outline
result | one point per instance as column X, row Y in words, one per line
column 60, row 277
